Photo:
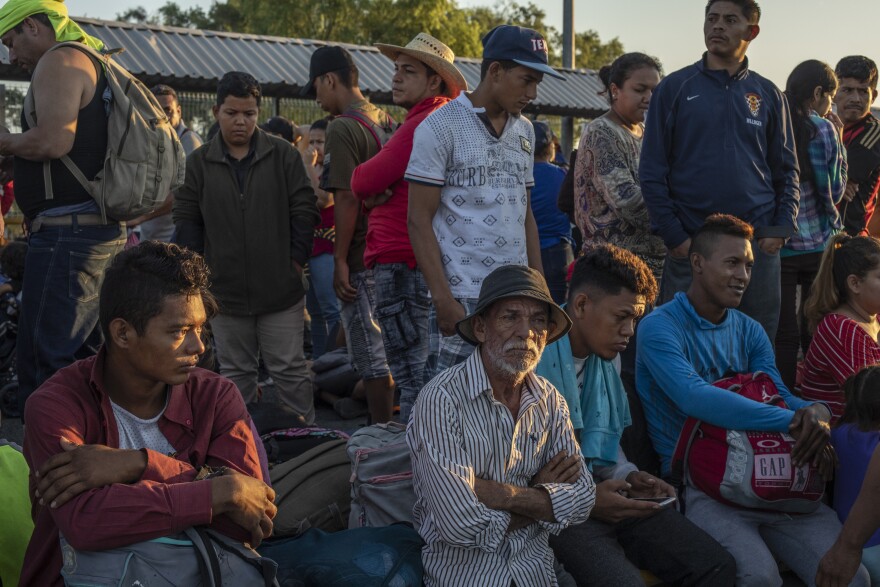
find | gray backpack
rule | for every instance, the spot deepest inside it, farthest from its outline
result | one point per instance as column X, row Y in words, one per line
column 144, row 160
column 381, row 476
column 195, row 558
column 312, row 490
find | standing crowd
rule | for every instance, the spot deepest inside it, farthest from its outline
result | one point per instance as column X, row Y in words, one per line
column 563, row 340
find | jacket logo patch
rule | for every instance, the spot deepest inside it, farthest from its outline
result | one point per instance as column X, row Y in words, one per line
column 526, row 144
column 754, row 102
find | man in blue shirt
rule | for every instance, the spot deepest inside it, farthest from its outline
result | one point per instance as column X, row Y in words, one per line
column 609, row 290
column 554, row 229
column 697, row 338
column 719, row 139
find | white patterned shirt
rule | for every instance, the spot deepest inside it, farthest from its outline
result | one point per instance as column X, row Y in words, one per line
column 136, row 433
column 480, row 222
column 457, row 432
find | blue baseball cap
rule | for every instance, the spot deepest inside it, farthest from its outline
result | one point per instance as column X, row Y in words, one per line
column 523, row 46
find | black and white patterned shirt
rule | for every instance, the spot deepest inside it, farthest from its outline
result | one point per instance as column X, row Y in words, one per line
column 484, row 181
column 457, row 432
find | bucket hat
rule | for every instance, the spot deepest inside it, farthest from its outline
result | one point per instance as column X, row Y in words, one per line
column 511, row 281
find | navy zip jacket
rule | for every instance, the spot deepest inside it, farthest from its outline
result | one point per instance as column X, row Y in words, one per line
column 716, row 143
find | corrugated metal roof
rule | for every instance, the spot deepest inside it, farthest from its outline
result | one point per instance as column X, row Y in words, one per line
column 194, row 60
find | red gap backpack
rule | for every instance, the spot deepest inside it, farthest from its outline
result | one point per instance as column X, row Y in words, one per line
column 747, row 469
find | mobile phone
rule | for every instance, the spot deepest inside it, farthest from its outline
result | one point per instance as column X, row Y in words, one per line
column 661, row 501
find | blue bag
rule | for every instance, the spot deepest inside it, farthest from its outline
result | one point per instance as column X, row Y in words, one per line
column 361, row 557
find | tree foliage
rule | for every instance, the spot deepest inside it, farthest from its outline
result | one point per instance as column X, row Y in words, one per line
column 363, row 22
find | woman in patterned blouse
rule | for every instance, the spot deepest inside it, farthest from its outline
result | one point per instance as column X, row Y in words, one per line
column 822, row 161
column 608, row 198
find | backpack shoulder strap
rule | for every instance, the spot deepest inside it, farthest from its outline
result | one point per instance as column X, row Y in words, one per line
column 368, row 125
column 31, row 118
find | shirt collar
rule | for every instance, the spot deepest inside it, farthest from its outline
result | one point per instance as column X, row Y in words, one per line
column 251, row 149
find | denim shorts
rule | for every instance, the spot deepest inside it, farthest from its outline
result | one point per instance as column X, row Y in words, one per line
column 366, row 348
column 447, row 351
column 403, row 306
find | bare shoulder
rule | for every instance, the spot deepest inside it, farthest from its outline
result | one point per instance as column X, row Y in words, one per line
column 66, row 65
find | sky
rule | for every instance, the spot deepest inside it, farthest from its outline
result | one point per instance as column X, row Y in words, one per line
column 791, row 30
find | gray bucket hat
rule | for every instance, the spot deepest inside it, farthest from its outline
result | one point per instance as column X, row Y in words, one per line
column 511, row 281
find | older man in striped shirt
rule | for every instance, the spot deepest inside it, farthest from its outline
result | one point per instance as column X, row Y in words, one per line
column 495, row 461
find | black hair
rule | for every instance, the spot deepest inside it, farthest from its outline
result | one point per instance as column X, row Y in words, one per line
column 429, row 71
column 12, row 259
column 140, row 278
column 320, row 124
column 750, row 9
column 41, row 18
column 863, row 400
column 606, row 269
column 506, row 65
column 799, row 90
column 858, row 67
column 348, row 76
column 163, row 90
column 239, row 85
column 623, row 67
column 717, row 225
column 844, row 256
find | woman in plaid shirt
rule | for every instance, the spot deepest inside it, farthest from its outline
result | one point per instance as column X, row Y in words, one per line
column 822, row 161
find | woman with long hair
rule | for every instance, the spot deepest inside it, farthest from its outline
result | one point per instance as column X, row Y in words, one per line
column 822, row 160
column 608, row 197
column 842, row 311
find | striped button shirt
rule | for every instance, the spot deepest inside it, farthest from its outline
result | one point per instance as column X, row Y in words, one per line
column 457, row 432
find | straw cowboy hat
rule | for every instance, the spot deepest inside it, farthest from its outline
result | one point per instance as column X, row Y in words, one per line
column 435, row 55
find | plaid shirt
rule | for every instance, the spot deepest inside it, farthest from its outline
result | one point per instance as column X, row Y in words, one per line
column 817, row 217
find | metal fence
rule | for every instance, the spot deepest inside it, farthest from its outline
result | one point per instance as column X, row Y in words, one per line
column 197, row 112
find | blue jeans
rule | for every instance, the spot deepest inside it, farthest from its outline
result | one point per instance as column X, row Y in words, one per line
column 402, row 309
column 556, row 259
column 763, row 295
column 58, row 324
column 321, row 302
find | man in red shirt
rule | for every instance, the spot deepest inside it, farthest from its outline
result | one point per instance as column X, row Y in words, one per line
column 424, row 80
column 857, row 76
column 119, row 444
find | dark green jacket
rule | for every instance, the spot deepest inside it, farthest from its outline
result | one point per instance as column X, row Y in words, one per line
column 251, row 239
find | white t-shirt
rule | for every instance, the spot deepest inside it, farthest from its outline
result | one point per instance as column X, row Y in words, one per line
column 480, row 223
column 136, row 433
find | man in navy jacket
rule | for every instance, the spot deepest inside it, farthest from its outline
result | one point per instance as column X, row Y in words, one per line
column 719, row 139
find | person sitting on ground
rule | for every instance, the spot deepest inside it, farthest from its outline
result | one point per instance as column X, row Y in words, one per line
column 496, row 466
column 855, row 439
column 124, row 435
column 610, row 288
column 698, row 338
column 842, row 313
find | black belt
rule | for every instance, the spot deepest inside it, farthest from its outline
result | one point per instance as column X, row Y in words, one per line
column 41, row 222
